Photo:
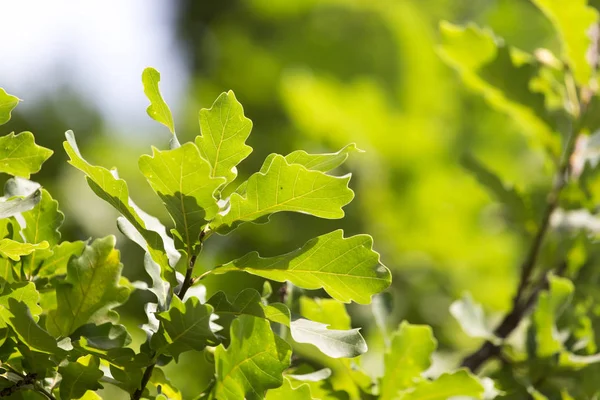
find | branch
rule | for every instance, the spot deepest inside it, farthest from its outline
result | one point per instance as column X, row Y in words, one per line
column 488, row 350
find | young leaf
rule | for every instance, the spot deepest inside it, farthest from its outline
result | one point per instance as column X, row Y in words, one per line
column 160, row 288
column 115, row 192
column 285, row 187
column 20, row 156
column 187, row 325
column 43, row 221
column 158, row 110
column 79, row 377
column 18, row 204
column 333, row 343
column 551, row 304
column 18, row 316
column 224, row 130
column 572, row 19
column 253, row 362
column 90, row 289
column 407, row 358
column 460, row 383
column 287, row 392
column 159, row 380
column 24, row 292
column 7, row 104
column 183, row 181
column 105, row 336
column 347, row 268
column 56, row 264
column 471, row 318
column 14, row 250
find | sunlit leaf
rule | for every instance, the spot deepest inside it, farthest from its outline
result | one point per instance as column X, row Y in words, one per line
column 286, row 391
column 90, row 289
column 183, row 181
column 460, row 383
column 20, row 156
column 79, row 377
column 407, row 358
column 56, row 264
column 253, row 362
column 15, row 250
column 159, row 380
column 16, row 205
column 347, row 268
column 18, row 316
column 572, row 19
column 115, row 192
column 333, row 343
column 158, row 110
column 224, row 130
column 7, row 104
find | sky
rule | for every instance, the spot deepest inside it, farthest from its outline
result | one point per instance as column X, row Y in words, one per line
column 98, row 46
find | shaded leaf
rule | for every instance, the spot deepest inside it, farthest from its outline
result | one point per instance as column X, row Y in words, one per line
column 224, row 130
column 333, row 343
column 56, row 264
column 105, row 336
column 285, row 187
column 7, row 104
column 162, row 383
column 183, row 181
column 79, row 377
column 347, row 268
column 20, row 156
column 14, row 250
column 471, row 318
column 90, row 289
column 18, row 316
column 158, row 110
column 572, row 19
column 24, row 292
column 187, row 325
column 43, row 221
column 407, row 358
column 115, row 192
column 460, row 383
column 253, row 362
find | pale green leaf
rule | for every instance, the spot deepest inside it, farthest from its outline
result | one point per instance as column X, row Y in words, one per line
column 182, row 179
column 56, row 264
column 331, row 342
column 159, row 380
column 7, row 104
column 43, row 221
column 327, row 311
column 253, row 362
column 287, row 392
column 20, row 156
column 407, row 358
column 224, row 130
column 79, row 377
column 24, row 292
column 572, row 19
column 551, row 303
column 14, row 250
column 158, row 110
column 187, row 325
column 285, row 187
column 90, row 290
column 347, row 268
column 460, row 383
column 115, row 192
column 18, row 204
column 471, row 318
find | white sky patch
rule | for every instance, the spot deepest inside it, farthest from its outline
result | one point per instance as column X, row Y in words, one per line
column 98, row 47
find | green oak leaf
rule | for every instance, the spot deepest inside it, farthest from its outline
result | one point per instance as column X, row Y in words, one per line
column 551, row 304
column 158, row 110
column 286, row 187
column 56, row 264
column 483, row 63
column 42, row 222
column 115, row 192
column 316, row 162
column 224, row 130
column 182, row 179
column 24, row 292
column 90, row 289
column 160, row 288
column 286, row 391
column 159, row 380
column 471, row 318
column 407, row 358
column 347, row 268
column 20, row 156
column 18, row 316
column 105, row 336
column 327, row 311
column 14, row 250
column 18, row 204
column 460, row 383
column 7, row 104
column 253, row 362
column 187, row 325
column 79, row 377
column 331, row 342
column 8, row 270
column 572, row 19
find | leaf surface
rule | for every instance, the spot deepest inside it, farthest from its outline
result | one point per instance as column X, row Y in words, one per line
column 333, row 343
column 224, row 130
column 158, row 110
column 18, row 204
column 79, row 377
column 253, row 362
column 460, row 383
column 7, row 104
column 20, row 156
column 287, row 392
column 347, row 268
column 14, row 250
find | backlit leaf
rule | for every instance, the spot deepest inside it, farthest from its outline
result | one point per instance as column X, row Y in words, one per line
column 7, row 104
column 20, row 156
column 347, row 268
column 183, row 181
column 79, row 377
column 333, row 343
column 158, row 110
column 90, row 289
column 253, row 362
column 14, row 250
column 56, row 264
column 16, row 205
column 224, row 130
column 287, row 392
column 460, row 383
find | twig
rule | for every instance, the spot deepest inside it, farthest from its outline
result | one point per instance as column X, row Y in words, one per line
column 137, row 395
column 475, row 360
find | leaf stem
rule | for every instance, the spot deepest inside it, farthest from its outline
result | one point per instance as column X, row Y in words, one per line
column 137, row 395
column 475, row 360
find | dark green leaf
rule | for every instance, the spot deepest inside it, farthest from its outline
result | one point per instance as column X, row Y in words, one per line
column 79, row 377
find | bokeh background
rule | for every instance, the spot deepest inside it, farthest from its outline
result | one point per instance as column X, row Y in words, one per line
column 311, row 74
